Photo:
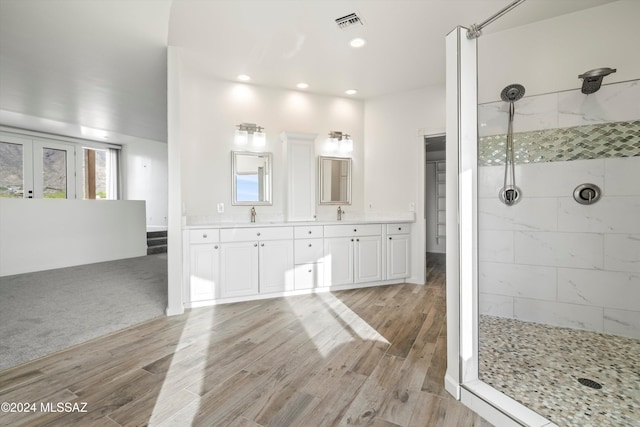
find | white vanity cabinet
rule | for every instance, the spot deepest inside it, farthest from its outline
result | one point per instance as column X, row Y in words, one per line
column 204, row 265
column 309, row 257
column 353, row 254
column 228, row 264
column 256, row 261
column 398, row 251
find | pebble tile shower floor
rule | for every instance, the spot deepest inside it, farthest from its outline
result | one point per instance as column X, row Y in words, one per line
column 539, row 366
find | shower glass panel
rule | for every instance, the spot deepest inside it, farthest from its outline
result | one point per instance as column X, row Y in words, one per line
column 559, row 279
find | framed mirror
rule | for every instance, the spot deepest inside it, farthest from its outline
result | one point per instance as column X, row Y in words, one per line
column 335, row 180
column 251, row 178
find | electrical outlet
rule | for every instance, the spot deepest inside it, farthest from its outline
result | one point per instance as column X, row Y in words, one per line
column 220, row 207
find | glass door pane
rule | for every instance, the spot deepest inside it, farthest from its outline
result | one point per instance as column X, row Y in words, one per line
column 16, row 175
column 54, row 173
column 11, row 170
column 54, row 166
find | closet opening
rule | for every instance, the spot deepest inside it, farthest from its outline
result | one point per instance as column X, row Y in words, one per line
column 435, row 204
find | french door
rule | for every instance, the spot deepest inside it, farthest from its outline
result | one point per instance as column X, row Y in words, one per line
column 37, row 169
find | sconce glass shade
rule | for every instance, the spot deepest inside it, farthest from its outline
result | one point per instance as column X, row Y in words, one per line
column 259, row 139
column 332, row 144
column 242, row 137
column 346, row 145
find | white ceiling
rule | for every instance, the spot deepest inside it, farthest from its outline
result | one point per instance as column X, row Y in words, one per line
column 93, row 67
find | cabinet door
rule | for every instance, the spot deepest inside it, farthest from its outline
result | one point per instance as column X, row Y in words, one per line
column 239, row 269
column 276, row 266
column 309, row 276
column 398, row 256
column 368, row 259
column 338, row 261
column 204, row 272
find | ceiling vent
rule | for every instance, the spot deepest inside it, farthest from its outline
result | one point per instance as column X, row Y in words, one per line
column 349, row 20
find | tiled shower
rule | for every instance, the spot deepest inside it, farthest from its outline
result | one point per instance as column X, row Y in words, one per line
column 549, row 259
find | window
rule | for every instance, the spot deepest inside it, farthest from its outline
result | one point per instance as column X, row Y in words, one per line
column 56, row 169
column 100, row 172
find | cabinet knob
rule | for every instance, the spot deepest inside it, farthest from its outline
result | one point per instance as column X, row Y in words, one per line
column 215, row 247
column 204, row 236
column 352, row 240
column 310, row 271
column 357, row 240
column 390, row 238
column 258, row 234
column 355, row 229
column 399, row 228
column 255, row 245
column 309, row 244
column 262, row 244
column 309, row 231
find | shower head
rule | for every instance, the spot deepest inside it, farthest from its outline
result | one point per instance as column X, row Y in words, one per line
column 593, row 79
column 512, row 93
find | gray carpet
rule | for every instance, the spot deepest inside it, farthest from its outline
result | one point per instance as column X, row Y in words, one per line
column 47, row 311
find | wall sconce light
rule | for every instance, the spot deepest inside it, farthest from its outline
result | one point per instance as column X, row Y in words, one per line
column 259, row 138
column 339, row 141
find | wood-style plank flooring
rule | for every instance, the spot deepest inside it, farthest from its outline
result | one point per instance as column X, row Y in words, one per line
column 373, row 356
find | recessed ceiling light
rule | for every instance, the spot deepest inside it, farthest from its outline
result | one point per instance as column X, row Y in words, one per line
column 243, row 77
column 357, row 42
column 302, row 85
column 350, row 91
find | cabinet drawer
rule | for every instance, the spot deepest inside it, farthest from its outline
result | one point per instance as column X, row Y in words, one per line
column 308, row 251
column 308, row 232
column 308, row 276
column 205, row 235
column 398, row 229
column 255, row 233
column 352, row 230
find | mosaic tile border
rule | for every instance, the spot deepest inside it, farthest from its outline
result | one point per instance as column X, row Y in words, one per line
column 617, row 139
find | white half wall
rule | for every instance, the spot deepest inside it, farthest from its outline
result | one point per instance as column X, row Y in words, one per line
column 144, row 173
column 41, row 234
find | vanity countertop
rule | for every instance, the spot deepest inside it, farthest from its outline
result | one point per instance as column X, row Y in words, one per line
column 295, row 223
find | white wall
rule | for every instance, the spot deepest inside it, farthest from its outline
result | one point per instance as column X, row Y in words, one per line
column 548, row 56
column 395, row 127
column 212, row 109
column 43, row 234
column 144, row 174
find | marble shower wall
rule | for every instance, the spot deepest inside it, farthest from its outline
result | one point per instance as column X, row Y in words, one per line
column 549, row 259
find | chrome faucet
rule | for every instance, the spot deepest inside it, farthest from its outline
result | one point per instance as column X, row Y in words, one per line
column 340, row 212
column 253, row 214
